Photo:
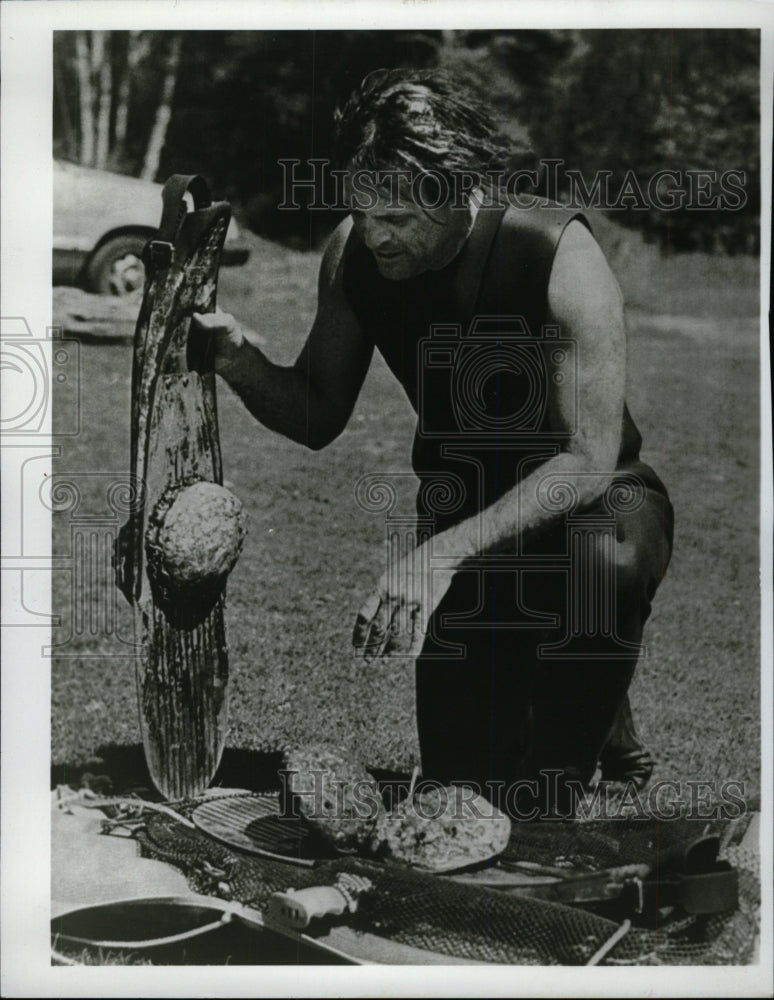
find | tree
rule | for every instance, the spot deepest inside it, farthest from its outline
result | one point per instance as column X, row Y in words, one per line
column 63, row 121
column 636, row 102
column 101, row 70
column 114, row 94
column 137, row 48
column 86, row 97
column 163, row 111
column 709, row 125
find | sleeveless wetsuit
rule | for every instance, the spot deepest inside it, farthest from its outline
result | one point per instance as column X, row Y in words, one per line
column 467, row 344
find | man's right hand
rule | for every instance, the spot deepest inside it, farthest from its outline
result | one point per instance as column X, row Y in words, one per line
column 228, row 338
column 311, row 400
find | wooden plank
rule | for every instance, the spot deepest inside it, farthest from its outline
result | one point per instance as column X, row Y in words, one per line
column 182, row 666
column 182, row 676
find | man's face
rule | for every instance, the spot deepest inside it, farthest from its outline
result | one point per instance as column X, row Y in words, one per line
column 405, row 238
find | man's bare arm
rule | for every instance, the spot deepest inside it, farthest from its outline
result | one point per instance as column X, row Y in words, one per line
column 311, row 401
column 585, row 302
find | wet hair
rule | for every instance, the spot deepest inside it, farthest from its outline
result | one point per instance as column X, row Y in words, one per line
column 420, row 121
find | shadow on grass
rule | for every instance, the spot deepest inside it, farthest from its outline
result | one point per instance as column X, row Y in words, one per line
column 120, row 768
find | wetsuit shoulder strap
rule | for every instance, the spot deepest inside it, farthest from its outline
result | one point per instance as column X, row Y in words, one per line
column 507, row 261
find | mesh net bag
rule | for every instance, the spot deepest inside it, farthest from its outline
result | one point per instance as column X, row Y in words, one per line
column 480, row 924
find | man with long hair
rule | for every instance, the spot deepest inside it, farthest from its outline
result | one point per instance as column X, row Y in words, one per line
column 541, row 535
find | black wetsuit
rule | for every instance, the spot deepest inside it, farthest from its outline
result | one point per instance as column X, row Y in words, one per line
column 528, row 659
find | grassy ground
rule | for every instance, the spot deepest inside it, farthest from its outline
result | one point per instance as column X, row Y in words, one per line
column 312, row 553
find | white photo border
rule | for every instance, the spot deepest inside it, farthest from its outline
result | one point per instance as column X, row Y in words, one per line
column 26, row 129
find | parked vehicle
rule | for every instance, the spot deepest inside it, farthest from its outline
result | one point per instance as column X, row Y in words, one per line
column 102, row 221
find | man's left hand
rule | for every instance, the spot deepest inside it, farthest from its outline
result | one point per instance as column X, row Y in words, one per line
column 395, row 618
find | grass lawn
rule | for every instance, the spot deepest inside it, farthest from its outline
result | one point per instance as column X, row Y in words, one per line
column 312, row 554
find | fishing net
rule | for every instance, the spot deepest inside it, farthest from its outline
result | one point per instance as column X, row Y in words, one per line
column 477, row 923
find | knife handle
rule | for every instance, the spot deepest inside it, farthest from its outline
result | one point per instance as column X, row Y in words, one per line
column 297, row 908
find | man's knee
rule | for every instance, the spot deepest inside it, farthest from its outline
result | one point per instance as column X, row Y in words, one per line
column 634, row 554
column 628, row 570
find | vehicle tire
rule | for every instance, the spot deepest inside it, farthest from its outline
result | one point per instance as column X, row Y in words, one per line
column 116, row 267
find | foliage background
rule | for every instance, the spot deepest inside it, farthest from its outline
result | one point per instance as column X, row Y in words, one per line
column 231, row 104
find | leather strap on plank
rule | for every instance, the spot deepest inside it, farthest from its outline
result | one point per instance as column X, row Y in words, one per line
column 159, row 252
